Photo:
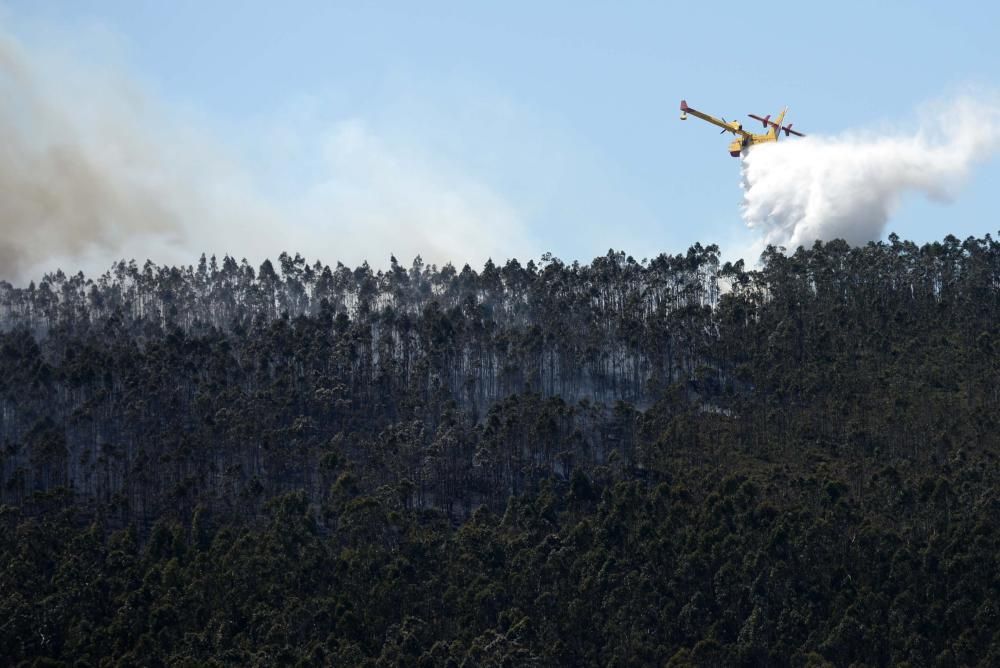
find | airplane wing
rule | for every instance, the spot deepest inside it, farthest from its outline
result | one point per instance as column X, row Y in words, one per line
column 767, row 121
column 711, row 119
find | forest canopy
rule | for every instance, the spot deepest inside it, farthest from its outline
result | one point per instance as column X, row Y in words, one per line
column 668, row 461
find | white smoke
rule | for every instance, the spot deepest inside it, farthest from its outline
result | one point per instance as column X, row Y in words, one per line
column 94, row 168
column 848, row 186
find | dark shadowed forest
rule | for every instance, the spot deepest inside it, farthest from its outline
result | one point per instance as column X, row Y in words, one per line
column 666, row 461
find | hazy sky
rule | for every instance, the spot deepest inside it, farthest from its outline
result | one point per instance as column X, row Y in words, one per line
column 461, row 130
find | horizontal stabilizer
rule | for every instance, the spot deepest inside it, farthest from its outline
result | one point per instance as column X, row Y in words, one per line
column 766, row 121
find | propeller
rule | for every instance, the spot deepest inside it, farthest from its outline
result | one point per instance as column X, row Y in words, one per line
column 723, row 130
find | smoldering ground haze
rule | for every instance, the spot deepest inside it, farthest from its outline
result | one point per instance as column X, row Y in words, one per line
column 848, row 186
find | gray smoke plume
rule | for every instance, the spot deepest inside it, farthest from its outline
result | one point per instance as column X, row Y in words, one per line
column 93, row 168
column 848, row 186
column 73, row 174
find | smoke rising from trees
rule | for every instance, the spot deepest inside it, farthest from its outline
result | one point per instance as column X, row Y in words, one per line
column 75, row 174
column 94, row 168
column 848, row 186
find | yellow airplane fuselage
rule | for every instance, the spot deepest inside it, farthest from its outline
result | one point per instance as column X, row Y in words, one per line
column 740, row 144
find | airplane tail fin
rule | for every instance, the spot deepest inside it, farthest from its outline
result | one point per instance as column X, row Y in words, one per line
column 775, row 129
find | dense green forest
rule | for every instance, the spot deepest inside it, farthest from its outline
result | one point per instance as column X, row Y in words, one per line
column 667, row 461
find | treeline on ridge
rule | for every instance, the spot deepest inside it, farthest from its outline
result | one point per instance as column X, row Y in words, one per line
column 617, row 463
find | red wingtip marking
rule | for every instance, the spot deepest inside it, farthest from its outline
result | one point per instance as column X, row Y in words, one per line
column 684, row 105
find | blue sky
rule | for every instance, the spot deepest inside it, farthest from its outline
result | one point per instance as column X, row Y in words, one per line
column 563, row 114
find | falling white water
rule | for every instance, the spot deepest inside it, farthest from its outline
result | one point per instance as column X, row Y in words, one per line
column 848, row 186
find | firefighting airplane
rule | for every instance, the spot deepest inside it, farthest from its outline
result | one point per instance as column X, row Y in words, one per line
column 744, row 139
